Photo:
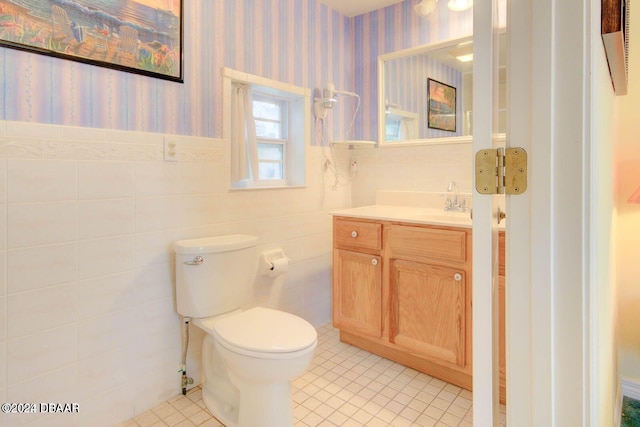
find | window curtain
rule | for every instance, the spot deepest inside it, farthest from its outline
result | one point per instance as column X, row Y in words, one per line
column 244, row 149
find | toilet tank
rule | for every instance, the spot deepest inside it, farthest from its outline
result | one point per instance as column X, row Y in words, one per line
column 214, row 275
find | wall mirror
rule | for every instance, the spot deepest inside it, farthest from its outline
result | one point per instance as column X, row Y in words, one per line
column 425, row 94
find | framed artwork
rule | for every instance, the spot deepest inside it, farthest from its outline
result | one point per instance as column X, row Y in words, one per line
column 137, row 36
column 441, row 106
column 614, row 26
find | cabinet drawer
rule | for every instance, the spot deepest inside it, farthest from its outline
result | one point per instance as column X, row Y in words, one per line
column 428, row 243
column 357, row 234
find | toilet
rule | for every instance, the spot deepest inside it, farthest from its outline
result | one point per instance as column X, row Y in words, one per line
column 249, row 357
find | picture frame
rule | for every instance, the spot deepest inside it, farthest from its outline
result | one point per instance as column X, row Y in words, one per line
column 614, row 28
column 136, row 36
column 441, row 106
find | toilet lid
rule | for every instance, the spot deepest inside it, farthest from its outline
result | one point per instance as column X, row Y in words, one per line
column 264, row 330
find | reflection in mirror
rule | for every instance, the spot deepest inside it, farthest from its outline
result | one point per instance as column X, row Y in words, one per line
column 409, row 113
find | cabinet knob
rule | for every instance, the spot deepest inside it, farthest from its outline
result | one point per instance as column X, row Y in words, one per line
column 354, row 234
column 457, row 277
column 374, row 261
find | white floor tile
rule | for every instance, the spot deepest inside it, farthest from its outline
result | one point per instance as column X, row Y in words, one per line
column 345, row 386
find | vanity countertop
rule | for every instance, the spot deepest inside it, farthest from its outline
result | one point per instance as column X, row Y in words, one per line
column 417, row 215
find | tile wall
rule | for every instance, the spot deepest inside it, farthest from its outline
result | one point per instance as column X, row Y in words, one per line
column 87, row 219
column 88, row 214
column 417, row 168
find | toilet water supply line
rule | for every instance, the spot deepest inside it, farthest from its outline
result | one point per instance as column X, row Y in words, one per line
column 185, row 379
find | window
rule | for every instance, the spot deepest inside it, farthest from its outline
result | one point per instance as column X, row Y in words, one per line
column 267, row 127
column 392, row 128
column 270, row 115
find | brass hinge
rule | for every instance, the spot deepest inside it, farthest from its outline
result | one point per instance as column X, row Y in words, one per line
column 500, row 171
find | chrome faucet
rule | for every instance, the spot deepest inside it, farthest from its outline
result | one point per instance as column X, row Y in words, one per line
column 453, row 188
column 453, row 203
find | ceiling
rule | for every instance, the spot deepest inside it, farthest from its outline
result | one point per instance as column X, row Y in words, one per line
column 358, row 7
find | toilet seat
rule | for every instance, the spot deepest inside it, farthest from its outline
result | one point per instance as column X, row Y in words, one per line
column 265, row 333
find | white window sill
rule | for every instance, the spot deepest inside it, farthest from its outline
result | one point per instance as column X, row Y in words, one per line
column 271, row 187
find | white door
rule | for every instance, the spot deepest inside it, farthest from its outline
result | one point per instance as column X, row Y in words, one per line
column 549, row 252
column 486, row 208
column 485, row 224
column 518, row 310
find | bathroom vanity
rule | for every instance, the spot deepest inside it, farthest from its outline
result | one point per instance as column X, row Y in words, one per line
column 402, row 288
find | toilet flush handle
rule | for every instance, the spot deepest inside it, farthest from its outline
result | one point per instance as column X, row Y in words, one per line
column 196, row 261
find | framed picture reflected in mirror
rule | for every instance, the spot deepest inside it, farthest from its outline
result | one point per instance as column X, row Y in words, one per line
column 441, row 106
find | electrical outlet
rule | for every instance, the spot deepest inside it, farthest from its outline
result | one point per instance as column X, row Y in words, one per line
column 354, row 167
column 170, row 147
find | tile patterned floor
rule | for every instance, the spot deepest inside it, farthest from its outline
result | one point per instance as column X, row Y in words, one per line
column 344, row 386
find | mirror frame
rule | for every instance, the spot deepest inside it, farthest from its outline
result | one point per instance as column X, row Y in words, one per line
column 382, row 142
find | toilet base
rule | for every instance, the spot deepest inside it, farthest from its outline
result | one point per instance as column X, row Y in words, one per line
column 237, row 402
column 219, row 395
column 274, row 411
column 265, row 405
column 227, row 415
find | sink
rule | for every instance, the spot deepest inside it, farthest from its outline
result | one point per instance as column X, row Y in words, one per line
column 444, row 217
column 409, row 214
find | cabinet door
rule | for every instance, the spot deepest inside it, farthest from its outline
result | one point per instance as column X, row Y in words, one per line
column 503, row 362
column 428, row 309
column 502, row 325
column 357, row 292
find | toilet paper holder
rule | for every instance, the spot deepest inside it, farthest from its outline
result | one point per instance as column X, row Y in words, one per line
column 273, row 261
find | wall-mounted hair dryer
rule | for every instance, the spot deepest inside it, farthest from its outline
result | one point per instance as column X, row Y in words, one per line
column 331, row 92
column 329, row 98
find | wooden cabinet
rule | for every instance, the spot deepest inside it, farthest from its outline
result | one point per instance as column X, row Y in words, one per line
column 429, row 286
column 357, row 277
column 357, row 296
column 501, row 314
column 404, row 291
column 428, row 310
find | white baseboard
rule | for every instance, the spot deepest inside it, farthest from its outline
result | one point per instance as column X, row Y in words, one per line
column 630, row 388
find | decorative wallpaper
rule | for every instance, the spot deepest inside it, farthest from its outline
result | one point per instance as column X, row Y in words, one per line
column 299, row 42
column 406, row 87
column 394, row 28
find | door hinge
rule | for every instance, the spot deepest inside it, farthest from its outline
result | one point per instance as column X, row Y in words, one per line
column 501, row 171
